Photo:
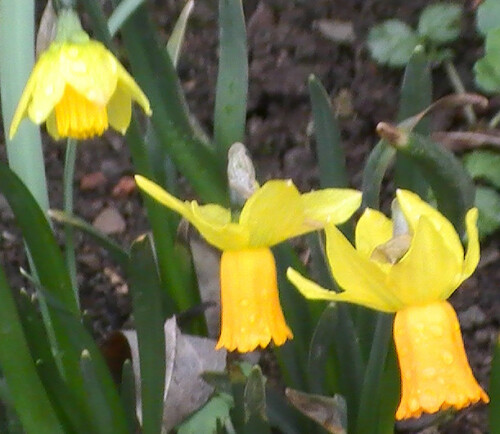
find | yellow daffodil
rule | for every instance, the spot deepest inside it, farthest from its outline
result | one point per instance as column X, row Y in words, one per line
column 412, row 274
column 251, row 311
column 78, row 87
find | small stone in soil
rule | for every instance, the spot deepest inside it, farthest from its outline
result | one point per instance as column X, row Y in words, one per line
column 109, row 221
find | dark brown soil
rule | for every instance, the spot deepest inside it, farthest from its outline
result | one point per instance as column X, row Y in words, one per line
column 285, row 47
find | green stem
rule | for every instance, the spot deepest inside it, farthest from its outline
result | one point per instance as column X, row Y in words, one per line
column 69, row 171
column 495, row 120
column 459, row 88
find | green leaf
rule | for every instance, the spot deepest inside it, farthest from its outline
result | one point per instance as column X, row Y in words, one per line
column 145, row 289
column 329, row 152
column 416, row 95
column 488, row 16
column 440, row 22
column 377, row 163
column 372, row 384
column 232, row 79
column 487, row 69
column 26, row 390
column 392, row 43
column 488, row 204
column 118, row 253
column 213, row 414
column 255, row 402
column 176, row 39
column 50, row 265
column 127, row 394
column 154, row 71
column 494, row 407
column 484, row 165
column 121, row 14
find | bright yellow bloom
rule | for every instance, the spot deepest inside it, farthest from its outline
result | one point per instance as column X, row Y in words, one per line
column 251, row 312
column 78, row 88
column 413, row 275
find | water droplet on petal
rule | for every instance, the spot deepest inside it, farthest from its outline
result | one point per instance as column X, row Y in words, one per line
column 79, row 67
column 49, row 89
column 447, row 357
column 73, row 52
column 437, row 330
column 244, row 302
column 429, row 372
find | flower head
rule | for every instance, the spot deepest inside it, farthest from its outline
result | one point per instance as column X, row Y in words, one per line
column 251, row 313
column 78, row 88
column 411, row 274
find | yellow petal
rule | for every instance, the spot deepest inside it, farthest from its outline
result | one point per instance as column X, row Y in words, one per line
column 472, row 255
column 372, row 230
column 51, row 126
column 313, row 291
column 120, row 109
column 24, row 102
column 361, row 278
column 211, row 220
column 435, row 373
column 126, row 80
column 49, row 87
column 250, row 305
column 273, row 213
column 413, row 207
column 90, row 69
column 428, row 270
column 333, row 205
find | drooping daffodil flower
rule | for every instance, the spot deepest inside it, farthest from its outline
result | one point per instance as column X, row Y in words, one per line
column 78, row 87
column 251, row 311
column 410, row 272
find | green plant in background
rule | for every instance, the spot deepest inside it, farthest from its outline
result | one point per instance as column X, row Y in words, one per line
column 340, row 367
column 393, row 41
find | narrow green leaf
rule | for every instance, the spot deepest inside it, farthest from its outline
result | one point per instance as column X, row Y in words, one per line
column 118, row 253
column 389, row 398
column 176, row 39
column 416, row 95
column 69, row 406
column 24, row 150
column 28, row 394
column 293, row 355
column 42, row 245
column 121, row 14
column 102, row 415
column 494, row 390
column 98, row 21
column 372, row 385
column 146, row 293
column 329, row 152
column 232, row 79
column 127, row 394
column 164, row 227
column 376, row 165
column 98, row 374
column 154, row 71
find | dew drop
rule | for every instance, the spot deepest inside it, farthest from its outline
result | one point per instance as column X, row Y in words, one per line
column 413, row 404
column 49, row 89
column 73, row 52
column 244, row 302
column 429, row 372
column 437, row 330
column 447, row 357
column 79, row 67
column 243, row 330
column 251, row 318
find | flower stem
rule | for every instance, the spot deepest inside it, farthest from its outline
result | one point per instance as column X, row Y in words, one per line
column 69, row 170
column 459, row 88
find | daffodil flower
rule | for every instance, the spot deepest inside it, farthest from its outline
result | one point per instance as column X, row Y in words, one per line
column 251, row 311
column 78, row 87
column 411, row 274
